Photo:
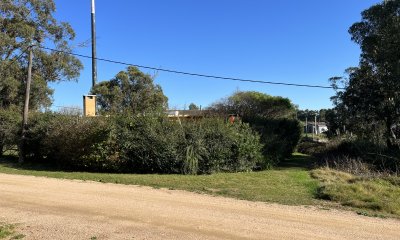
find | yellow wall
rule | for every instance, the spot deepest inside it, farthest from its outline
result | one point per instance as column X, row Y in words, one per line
column 89, row 106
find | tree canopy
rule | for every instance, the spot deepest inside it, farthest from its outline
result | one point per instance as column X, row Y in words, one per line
column 370, row 101
column 193, row 106
column 31, row 23
column 130, row 91
column 302, row 115
column 255, row 104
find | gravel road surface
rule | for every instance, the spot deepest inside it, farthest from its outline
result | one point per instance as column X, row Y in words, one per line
column 46, row 208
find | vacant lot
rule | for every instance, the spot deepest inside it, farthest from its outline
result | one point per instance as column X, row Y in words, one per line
column 46, row 208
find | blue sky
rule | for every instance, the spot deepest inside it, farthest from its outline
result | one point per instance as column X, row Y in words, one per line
column 304, row 42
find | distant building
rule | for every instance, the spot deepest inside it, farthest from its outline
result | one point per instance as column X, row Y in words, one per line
column 199, row 114
column 321, row 127
column 186, row 114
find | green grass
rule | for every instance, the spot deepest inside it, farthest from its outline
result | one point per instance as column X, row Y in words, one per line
column 18, row 236
column 8, row 231
column 372, row 196
column 290, row 184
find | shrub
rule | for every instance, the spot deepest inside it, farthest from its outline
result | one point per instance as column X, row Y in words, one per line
column 310, row 147
column 143, row 144
column 37, row 130
column 279, row 136
column 157, row 145
column 149, row 144
column 349, row 152
column 10, row 125
column 272, row 117
column 74, row 142
column 216, row 146
column 71, row 142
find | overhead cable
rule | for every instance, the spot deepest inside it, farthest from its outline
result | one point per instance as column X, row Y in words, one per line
column 192, row 74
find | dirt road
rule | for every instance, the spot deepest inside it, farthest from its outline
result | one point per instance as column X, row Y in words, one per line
column 62, row 209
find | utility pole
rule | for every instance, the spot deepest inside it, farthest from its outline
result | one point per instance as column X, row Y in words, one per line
column 306, row 126
column 26, row 108
column 313, row 130
column 94, row 61
column 315, row 125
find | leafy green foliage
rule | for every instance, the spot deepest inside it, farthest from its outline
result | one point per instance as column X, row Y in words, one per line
column 38, row 125
column 345, row 153
column 279, row 136
column 310, row 147
column 130, row 91
column 218, row 146
column 369, row 103
column 272, row 117
column 302, row 115
column 250, row 105
column 149, row 144
column 142, row 144
column 26, row 23
column 157, row 145
column 72, row 142
column 193, row 106
column 10, row 123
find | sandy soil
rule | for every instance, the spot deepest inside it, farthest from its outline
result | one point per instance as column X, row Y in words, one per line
column 48, row 208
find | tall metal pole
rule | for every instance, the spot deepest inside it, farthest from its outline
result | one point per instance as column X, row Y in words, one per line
column 26, row 107
column 94, row 62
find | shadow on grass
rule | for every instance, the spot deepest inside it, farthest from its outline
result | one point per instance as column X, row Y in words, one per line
column 12, row 162
column 297, row 161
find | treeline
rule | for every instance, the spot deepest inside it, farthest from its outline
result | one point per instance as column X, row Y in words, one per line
column 132, row 133
column 366, row 116
column 153, row 143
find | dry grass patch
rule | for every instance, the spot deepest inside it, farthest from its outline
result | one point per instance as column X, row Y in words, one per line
column 379, row 195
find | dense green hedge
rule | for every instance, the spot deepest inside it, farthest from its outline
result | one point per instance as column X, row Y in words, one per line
column 216, row 146
column 144, row 144
column 279, row 137
column 10, row 124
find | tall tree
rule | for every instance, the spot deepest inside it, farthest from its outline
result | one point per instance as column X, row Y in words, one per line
column 302, row 115
column 371, row 95
column 130, row 91
column 24, row 23
column 272, row 117
column 256, row 105
column 193, row 106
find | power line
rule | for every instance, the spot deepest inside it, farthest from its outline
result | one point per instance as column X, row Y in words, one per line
column 74, row 108
column 191, row 74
